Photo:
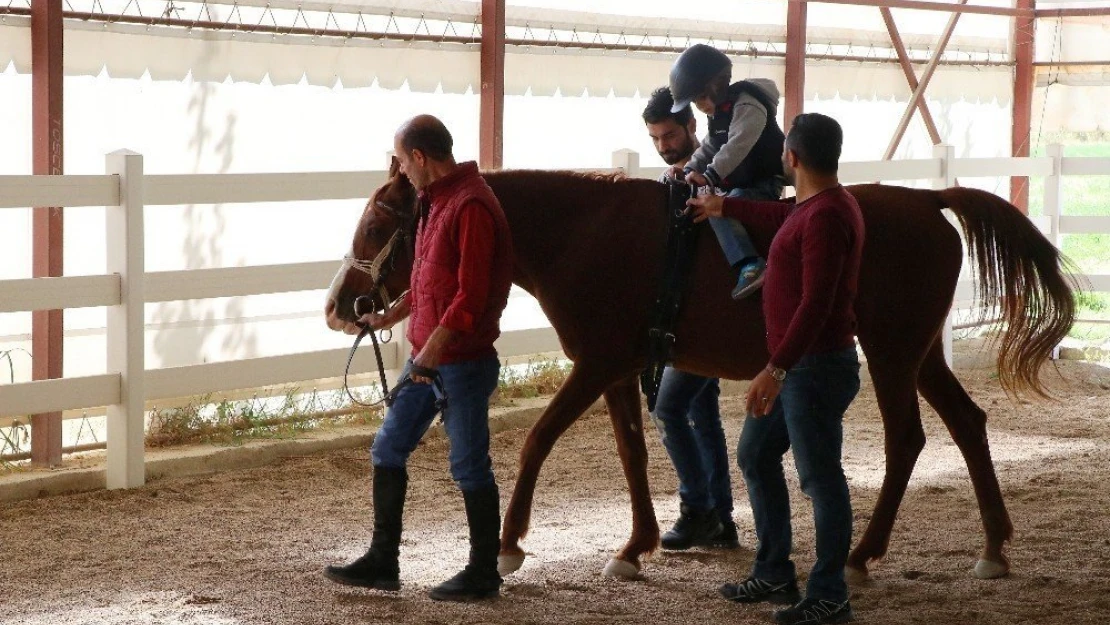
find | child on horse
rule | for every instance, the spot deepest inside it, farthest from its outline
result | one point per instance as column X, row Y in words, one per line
column 741, row 154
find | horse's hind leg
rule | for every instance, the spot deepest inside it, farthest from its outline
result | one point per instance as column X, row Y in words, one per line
column 967, row 423
column 581, row 388
column 895, row 389
column 623, row 400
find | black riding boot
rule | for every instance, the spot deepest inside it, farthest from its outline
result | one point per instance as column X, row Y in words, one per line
column 479, row 580
column 378, row 567
column 693, row 527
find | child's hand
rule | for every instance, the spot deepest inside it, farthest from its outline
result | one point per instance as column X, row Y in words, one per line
column 697, row 179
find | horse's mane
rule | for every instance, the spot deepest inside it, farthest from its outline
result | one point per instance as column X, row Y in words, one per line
column 594, row 176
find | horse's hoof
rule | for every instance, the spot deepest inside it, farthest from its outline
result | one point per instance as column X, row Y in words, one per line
column 507, row 564
column 986, row 569
column 621, row 568
column 855, row 576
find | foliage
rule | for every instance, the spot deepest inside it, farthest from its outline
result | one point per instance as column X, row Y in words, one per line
column 538, row 377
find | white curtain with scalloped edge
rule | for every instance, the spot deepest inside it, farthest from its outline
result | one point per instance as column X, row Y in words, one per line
column 167, row 95
column 130, row 51
column 1073, row 98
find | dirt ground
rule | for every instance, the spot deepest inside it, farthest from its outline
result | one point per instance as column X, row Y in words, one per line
column 248, row 547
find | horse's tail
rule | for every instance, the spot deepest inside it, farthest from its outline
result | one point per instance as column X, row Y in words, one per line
column 1022, row 273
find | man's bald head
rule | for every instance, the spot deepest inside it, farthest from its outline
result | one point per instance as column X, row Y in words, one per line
column 427, row 134
column 423, row 149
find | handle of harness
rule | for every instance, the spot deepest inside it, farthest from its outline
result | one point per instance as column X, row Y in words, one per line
column 437, row 383
column 424, row 372
column 364, row 304
column 438, row 388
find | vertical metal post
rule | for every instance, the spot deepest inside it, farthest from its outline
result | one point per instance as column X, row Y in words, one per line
column 795, row 87
column 492, row 107
column 1024, row 80
column 46, row 122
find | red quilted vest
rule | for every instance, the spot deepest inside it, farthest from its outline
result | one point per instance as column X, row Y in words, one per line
column 435, row 280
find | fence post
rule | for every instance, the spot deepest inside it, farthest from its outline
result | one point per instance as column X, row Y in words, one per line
column 1054, row 192
column 946, row 153
column 400, row 331
column 126, row 321
column 1054, row 202
column 628, row 161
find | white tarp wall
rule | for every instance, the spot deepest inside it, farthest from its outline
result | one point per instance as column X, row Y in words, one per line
column 1075, row 98
column 208, row 103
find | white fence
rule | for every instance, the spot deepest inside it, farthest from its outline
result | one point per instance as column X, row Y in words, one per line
column 126, row 287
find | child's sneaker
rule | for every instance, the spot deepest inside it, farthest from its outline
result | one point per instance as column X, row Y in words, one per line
column 751, row 278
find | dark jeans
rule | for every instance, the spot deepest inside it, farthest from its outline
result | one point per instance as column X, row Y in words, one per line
column 468, row 386
column 689, row 420
column 807, row 416
column 731, row 234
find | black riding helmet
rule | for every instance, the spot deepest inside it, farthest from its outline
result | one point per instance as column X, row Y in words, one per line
column 692, row 71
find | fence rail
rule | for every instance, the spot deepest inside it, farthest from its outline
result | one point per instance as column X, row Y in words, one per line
column 126, row 287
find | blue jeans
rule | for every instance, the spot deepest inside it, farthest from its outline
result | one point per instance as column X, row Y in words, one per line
column 731, row 234
column 468, row 386
column 689, row 420
column 807, row 416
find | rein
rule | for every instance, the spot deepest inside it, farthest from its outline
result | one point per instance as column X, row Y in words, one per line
column 378, row 269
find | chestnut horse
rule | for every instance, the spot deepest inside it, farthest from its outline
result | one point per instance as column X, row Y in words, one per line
column 590, row 247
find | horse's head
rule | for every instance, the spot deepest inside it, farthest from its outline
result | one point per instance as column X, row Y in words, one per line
column 381, row 253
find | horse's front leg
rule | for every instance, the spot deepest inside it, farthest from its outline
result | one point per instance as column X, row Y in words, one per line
column 623, row 400
column 582, row 387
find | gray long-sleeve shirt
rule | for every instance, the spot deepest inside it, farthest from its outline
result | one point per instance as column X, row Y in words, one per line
column 749, row 118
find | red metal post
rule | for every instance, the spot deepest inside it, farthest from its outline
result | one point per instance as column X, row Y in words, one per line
column 46, row 122
column 490, row 133
column 1024, row 79
column 795, row 87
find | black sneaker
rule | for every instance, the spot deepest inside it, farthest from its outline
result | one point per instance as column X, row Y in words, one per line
column 728, row 538
column 755, row 590
column 814, row 612
column 692, row 528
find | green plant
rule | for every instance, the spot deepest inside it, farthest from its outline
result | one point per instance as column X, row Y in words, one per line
column 539, row 376
column 224, row 421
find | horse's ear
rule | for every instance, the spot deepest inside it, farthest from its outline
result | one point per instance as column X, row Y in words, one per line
column 394, row 166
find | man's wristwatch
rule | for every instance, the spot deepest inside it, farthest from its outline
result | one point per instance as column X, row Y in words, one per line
column 778, row 375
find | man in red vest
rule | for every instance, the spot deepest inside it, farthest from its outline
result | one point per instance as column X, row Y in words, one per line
column 460, row 285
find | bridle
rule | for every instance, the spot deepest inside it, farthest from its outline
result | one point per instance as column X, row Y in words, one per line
column 382, row 264
column 379, row 269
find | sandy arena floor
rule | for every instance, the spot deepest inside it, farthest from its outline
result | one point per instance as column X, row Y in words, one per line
column 248, row 547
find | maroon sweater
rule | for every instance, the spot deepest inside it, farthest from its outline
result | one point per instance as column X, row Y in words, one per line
column 812, row 271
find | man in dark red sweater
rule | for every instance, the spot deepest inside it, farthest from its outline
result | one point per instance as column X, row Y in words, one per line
column 460, row 285
column 799, row 399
